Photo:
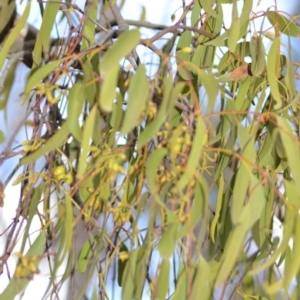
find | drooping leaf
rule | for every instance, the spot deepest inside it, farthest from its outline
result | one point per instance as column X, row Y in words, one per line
column 109, row 66
column 163, row 280
column 206, row 6
column 75, row 105
column 57, row 140
column 272, row 71
column 87, row 134
column 285, row 25
column 234, row 30
column 13, row 34
column 38, row 76
column 138, row 94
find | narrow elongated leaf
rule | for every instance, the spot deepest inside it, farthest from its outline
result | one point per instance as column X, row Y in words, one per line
column 218, row 209
column 153, row 163
column 199, row 141
column 38, row 76
column 108, row 88
column 65, row 245
column 163, row 280
column 272, row 70
column 211, row 87
column 287, row 233
column 17, row 285
column 13, row 35
column 201, row 283
column 234, row 30
column 291, row 148
column 257, row 50
column 286, row 26
column 166, row 245
column 89, row 26
column 292, row 268
column 126, row 42
column 130, row 272
column 109, row 66
column 57, row 140
column 170, row 94
column 84, row 256
column 43, row 38
column 206, row 6
column 2, row 137
column 86, row 140
column 184, row 42
column 75, row 105
column 138, row 94
column 219, row 41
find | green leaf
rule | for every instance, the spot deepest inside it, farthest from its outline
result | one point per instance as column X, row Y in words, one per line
column 17, row 285
column 183, row 58
column 130, row 272
column 201, row 283
column 232, row 250
column 241, row 97
column 7, row 15
column 195, row 13
column 89, row 26
column 272, row 71
column 75, row 104
column 219, row 41
column 138, row 94
column 108, row 88
column 38, row 76
column 14, row 35
column 170, row 94
column 211, row 87
column 65, row 245
column 257, row 50
column 153, row 163
column 109, row 66
column 166, row 245
column 57, row 140
column 246, row 11
column 49, row 16
column 84, row 256
column 240, row 190
column 2, row 137
column 86, row 140
column 43, row 38
column 34, row 201
column 290, row 144
column 284, row 25
column 181, row 291
column 206, row 6
column 292, row 268
column 117, row 113
column 199, row 141
column 122, row 264
column 234, row 30
column 163, row 280
column 249, row 214
column 218, row 208
column 287, row 233
column 126, row 42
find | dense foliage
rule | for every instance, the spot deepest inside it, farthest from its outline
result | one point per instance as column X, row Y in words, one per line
column 162, row 174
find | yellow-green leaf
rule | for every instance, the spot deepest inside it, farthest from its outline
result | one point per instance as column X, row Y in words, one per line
column 57, row 140
column 75, row 105
column 88, row 130
column 286, row 26
column 272, row 71
column 13, row 35
column 138, row 94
